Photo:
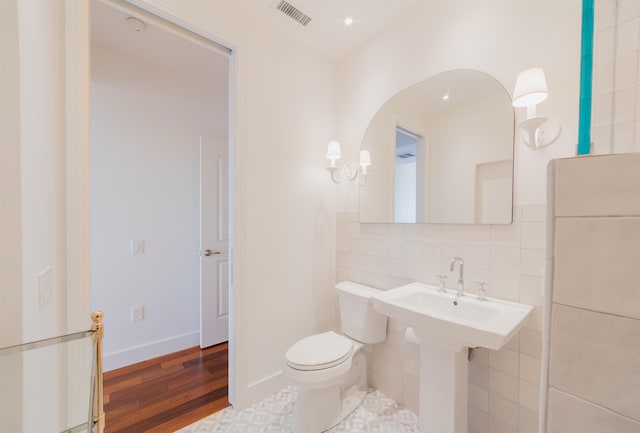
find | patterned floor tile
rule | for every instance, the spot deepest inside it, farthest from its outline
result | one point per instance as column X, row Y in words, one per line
column 377, row 414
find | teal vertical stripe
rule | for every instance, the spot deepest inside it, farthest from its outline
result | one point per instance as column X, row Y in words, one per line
column 586, row 78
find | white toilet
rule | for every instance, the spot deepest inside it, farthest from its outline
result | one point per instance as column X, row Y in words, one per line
column 330, row 370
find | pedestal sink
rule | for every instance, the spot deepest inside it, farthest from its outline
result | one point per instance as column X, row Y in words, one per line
column 446, row 326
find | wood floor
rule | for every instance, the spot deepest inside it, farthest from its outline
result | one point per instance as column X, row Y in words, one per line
column 164, row 394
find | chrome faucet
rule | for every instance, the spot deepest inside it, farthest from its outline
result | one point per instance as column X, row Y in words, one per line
column 461, row 276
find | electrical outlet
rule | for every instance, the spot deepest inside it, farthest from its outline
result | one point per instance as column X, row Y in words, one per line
column 137, row 313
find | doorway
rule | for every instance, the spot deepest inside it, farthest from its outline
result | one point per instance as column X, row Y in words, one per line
column 405, row 177
column 157, row 92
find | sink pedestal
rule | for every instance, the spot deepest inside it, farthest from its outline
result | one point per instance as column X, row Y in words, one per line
column 446, row 325
column 443, row 387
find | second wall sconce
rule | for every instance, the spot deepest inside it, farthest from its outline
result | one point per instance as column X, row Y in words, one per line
column 347, row 171
column 531, row 89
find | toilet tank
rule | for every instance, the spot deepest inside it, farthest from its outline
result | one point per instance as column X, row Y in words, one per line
column 359, row 320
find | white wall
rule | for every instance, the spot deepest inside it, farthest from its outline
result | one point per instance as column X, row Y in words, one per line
column 35, row 186
column 10, row 219
column 286, row 202
column 10, row 207
column 592, row 355
column 42, row 182
column 146, row 121
column 501, row 38
column 43, row 208
column 285, row 115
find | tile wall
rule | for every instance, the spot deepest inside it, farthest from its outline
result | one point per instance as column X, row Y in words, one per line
column 616, row 75
column 503, row 385
column 594, row 363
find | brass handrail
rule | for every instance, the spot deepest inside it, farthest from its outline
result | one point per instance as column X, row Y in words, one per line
column 96, row 420
column 96, row 412
column 44, row 343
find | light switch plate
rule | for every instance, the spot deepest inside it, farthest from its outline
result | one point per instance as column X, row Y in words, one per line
column 137, row 246
column 137, row 313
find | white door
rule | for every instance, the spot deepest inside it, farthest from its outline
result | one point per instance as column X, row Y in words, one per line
column 214, row 242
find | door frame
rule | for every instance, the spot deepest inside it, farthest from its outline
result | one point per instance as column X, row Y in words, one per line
column 77, row 79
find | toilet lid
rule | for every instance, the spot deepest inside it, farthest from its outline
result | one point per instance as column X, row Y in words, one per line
column 319, row 351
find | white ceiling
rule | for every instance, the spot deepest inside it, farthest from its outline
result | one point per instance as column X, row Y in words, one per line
column 327, row 32
column 166, row 45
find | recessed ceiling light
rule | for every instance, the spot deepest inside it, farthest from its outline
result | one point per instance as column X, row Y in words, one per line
column 445, row 97
column 348, row 21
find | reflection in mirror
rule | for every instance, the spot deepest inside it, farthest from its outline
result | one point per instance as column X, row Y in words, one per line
column 442, row 152
column 406, row 177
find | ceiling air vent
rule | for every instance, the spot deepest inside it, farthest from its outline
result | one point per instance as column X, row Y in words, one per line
column 406, row 155
column 293, row 12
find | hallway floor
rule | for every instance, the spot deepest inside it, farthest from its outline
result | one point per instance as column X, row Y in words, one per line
column 377, row 414
column 164, row 394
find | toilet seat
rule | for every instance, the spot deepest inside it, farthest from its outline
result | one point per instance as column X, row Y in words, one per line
column 319, row 352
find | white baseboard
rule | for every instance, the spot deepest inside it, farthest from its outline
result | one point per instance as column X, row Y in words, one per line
column 262, row 388
column 129, row 356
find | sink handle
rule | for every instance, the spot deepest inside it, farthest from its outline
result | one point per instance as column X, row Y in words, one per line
column 442, row 279
column 483, row 290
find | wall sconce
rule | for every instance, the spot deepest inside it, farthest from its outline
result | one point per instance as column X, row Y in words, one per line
column 347, row 170
column 531, row 89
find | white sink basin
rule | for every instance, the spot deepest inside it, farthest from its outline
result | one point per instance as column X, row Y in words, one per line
column 433, row 315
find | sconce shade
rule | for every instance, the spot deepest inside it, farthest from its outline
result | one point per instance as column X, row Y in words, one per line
column 347, row 171
column 333, row 151
column 365, row 158
column 531, row 88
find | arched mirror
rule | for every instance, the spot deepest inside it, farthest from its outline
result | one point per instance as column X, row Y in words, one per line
column 441, row 152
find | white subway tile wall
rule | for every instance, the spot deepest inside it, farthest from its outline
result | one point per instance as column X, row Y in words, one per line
column 616, row 110
column 503, row 385
column 574, row 415
column 585, row 342
column 598, row 186
column 527, row 420
column 594, row 364
column 589, row 256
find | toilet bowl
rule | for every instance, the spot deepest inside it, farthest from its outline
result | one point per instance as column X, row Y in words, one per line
column 329, row 369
